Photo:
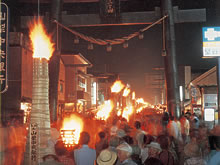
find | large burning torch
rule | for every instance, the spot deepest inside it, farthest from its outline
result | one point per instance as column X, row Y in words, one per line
column 70, row 132
column 39, row 129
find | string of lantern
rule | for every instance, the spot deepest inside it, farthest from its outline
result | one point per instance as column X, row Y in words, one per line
column 124, row 40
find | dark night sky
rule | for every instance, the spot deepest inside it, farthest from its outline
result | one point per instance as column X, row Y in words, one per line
column 141, row 55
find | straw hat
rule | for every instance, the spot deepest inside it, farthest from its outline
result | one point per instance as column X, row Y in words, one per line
column 106, row 157
column 192, row 150
column 155, row 145
column 125, row 147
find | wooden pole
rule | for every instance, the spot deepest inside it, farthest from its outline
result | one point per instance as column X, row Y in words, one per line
column 171, row 70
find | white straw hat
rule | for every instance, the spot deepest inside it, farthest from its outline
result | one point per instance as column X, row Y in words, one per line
column 106, row 157
column 155, row 145
column 125, row 147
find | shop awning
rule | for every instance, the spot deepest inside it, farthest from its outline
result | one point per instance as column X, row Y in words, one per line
column 208, row 78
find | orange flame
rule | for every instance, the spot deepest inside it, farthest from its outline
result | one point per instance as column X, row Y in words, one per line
column 128, row 111
column 117, row 86
column 126, row 92
column 73, row 126
column 105, row 110
column 140, row 100
column 142, row 105
column 41, row 42
column 133, row 95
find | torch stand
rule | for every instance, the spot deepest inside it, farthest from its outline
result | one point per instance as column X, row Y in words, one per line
column 39, row 128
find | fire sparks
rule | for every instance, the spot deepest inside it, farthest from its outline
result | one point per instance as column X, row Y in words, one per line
column 126, row 92
column 117, row 87
column 105, row 110
column 41, row 42
column 71, row 129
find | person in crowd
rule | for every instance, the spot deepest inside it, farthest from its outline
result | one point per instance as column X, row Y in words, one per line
column 113, row 128
column 84, row 155
column 214, row 132
column 63, row 154
column 165, row 155
column 101, row 144
column 185, row 126
column 125, row 126
column 195, row 121
column 172, row 128
column 135, row 156
column 154, row 150
column 193, row 152
column 124, row 154
column 165, row 120
column 203, row 140
column 55, row 135
column 139, row 134
column 121, row 134
column 173, row 149
column 128, row 139
column 51, row 159
column 144, row 149
column 194, row 135
column 153, row 161
column 114, row 141
column 107, row 157
column 215, row 158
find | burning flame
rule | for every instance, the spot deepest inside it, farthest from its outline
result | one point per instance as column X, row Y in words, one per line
column 104, row 111
column 133, row 95
column 126, row 92
column 41, row 42
column 141, row 105
column 128, row 111
column 140, row 100
column 117, row 86
column 73, row 126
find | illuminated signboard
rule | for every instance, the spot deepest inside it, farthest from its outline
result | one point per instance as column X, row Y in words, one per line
column 3, row 47
column 211, row 41
column 209, row 114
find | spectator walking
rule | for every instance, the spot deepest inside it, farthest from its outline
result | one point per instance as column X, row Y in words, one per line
column 84, row 155
column 215, row 159
column 193, row 152
column 63, row 154
column 101, row 144
column 165, row 155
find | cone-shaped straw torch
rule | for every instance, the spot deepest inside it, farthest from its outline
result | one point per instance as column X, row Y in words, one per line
column 39, row 129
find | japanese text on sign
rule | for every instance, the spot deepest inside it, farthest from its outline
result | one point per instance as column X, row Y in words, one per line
column 34, row 141
column 3, row 46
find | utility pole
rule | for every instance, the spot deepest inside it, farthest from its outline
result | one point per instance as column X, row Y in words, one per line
column 54, row 64
column 171, row 70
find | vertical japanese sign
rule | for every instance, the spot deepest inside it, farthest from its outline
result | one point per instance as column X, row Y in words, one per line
column 3, row 47
column 34, row 143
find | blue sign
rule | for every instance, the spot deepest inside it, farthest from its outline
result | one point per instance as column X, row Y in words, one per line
column 3, row 47
column 211, row 41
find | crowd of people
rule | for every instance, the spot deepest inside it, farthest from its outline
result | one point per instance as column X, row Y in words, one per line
column 186, row 141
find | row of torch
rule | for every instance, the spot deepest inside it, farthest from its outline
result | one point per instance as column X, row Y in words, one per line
column 122, row 104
